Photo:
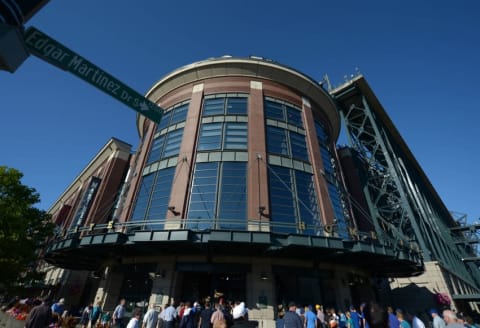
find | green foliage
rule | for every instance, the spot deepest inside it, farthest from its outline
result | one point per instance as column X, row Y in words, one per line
column 24, row 229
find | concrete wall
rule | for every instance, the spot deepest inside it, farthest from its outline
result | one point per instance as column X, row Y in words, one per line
column 417, row 293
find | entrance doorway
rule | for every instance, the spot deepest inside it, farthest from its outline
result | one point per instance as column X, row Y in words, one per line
column 197, row 286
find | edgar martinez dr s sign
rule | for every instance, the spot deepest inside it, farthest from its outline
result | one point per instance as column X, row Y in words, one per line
column 46, row 48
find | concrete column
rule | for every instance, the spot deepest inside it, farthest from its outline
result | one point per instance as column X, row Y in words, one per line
column 257, row 159
column 325, row 204
column 162, row 288
column 179, row 192
column 109, row 290
column 261, row 294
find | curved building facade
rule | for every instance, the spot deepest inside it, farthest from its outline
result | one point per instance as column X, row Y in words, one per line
column 236, row 192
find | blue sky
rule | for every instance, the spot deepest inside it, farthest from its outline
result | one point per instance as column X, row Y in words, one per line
column 420, row 58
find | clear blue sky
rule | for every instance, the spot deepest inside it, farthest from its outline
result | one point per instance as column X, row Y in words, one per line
column 420, row 57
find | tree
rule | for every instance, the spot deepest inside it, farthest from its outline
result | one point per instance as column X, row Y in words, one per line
column 24, row 229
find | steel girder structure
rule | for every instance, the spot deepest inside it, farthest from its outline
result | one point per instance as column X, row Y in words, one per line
column 404, row 207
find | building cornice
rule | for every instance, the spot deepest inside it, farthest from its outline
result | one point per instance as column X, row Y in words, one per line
column 255, row 68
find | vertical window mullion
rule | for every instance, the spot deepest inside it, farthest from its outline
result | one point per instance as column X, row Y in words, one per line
column 219, row 193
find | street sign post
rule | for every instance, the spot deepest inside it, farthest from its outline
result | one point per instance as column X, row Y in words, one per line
column 50, row 50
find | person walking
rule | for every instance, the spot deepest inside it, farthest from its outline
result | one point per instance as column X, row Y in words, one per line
column 205, row 316
column 392, row 319
column 40, row 316
column 86, row 315
column 59, row 307
column 310, row 318
column 135, row 320
column 188, row 318
column 291, row 318
column 451, row 319
column 355, row 317
column 168, row 315
column 218, row 314
column 320, row 315
column 95, row 314
column 437, row 320
column 150, row 318
column 118, row 314
column 403, row 323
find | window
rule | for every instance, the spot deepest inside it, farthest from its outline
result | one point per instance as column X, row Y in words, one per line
column 274, row 110
column 282, row 111
column 232, row 200
column 173, row 116
column 213, row 107
column 179, row 114
column 165, row 121
column 287, row 143
column 294, row 116
column 143, row 198
column 293, row 200
column 86, row 203
column 223, row 136
column 153, row 198
column 236, row 106
column 338, row 209
column 224, row 105
column 219, row 196
column 166, row 145
column 277, row 141
column 201, row 210
column 298, row 146
column 333, row 184
column 210, row 136
column 160, row 197
column 235, row 136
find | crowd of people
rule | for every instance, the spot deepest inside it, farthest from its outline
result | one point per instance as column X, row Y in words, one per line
column 40, row 312
column 369, row 315
column 220, row 314
column 185, row 315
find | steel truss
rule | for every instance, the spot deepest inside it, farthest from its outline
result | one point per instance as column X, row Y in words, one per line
column 402, row 208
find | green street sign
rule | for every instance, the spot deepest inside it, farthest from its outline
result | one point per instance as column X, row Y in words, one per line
column 46, row 48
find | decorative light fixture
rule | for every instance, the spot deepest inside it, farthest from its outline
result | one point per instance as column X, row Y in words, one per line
column 263, row 276
column 157, row 274
column 172, row 210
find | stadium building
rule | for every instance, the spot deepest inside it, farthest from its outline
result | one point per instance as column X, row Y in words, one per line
column 240, row 192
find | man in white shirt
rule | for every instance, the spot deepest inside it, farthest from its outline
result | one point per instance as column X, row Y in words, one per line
column 133, row 323
column 417, row 323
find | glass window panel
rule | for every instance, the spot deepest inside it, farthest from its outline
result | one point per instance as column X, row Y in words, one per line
column 157, row 149
column 282, row 209
column 277, row 141
column 237, row 106
column 274, row 110
column 308, row 206
column 213, row 106
column 160, row 198
column 165, row 121
column 298, row 146
column 179, row 114
column 173, row 143
column 294, row 116
column 232, row 199
column 335, row 197
column 235, row 136
column 210, row 136
column 326, row 160
column 201, row 209
column 321, row 133
column 293, row 199
column 143, row 197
